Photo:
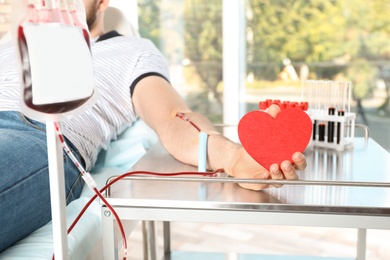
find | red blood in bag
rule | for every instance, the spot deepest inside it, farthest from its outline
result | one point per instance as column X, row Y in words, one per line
column 53, row 108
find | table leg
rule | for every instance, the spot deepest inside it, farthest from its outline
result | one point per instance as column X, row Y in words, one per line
column 167, row 238
column 149, row 240
column 361, row 244
column 108, row 235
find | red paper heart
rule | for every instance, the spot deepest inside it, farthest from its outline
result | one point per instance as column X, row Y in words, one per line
column 270, row 140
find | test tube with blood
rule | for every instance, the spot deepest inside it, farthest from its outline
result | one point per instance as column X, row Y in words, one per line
column 343, row 95
column 348, row 86
column 322, row 107
column 311, row 91
column 331, row 110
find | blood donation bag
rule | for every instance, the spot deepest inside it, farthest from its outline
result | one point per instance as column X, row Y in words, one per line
column 55, row 60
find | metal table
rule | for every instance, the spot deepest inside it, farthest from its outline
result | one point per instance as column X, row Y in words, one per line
column 348, row 189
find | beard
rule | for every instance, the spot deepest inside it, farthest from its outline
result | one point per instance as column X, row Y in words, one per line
column 91, row 20
column 91, row 12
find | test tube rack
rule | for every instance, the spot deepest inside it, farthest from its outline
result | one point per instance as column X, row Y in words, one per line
column 330, row 110
column 337, row 131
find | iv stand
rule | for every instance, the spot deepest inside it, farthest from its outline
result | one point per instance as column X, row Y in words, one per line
column 59, row 69
column 57, row 193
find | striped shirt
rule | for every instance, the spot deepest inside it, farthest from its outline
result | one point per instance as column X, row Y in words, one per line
column 119, row 63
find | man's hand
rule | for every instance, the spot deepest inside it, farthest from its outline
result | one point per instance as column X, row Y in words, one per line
column 244, row 166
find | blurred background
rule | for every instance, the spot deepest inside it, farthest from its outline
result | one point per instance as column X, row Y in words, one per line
column 281, row 44
column 284, row 43
column 278, row 44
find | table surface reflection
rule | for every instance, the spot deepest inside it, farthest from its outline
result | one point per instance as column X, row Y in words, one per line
column 366, row 162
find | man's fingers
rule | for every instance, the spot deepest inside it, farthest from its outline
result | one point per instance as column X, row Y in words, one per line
column 288, row 170
column 273, row 110
column 257, row 186
column 276, row 174
column 299, row 161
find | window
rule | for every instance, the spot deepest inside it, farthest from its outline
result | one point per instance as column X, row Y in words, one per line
column 189, row 34
column 332, row 40
column 324, row 39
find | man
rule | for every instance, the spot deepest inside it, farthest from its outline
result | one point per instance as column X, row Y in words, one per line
column 132, row 78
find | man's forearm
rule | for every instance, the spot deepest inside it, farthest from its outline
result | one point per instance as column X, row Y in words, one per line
column 180, row 138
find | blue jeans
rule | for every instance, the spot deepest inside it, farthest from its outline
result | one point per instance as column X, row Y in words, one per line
column 24, row 178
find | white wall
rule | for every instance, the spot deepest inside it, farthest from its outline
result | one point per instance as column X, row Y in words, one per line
column 233, row 63
column 129, row 8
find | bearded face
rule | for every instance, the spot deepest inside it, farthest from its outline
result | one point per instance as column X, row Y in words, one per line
column 91, row 8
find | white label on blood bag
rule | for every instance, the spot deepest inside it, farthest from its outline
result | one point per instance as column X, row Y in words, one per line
column 60, row 62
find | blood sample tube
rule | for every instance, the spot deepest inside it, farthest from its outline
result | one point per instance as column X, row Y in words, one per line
column 343, row 96
column 322, row 108
column 331, row 111
column 263, row 105
column 312, row 89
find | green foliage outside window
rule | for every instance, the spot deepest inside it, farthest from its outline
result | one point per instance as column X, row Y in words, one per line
column 331, row 37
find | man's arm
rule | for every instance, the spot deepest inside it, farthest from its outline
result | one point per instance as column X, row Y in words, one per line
column 157, row 103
